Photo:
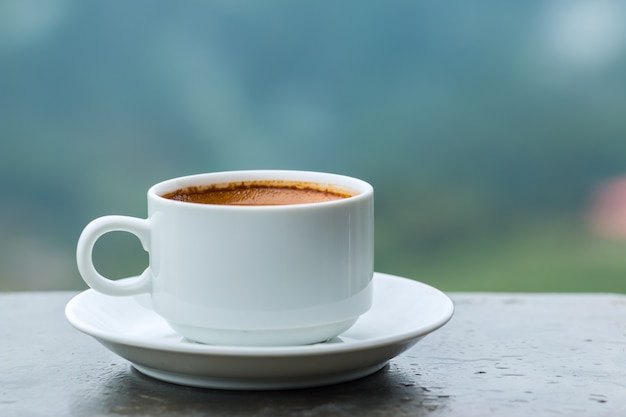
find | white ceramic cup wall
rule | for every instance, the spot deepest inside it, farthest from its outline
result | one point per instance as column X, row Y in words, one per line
column 249, row 275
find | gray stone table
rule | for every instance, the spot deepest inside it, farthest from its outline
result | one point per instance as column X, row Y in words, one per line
column 500, row 355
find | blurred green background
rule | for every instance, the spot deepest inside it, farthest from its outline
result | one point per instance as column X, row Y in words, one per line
column 489, row 129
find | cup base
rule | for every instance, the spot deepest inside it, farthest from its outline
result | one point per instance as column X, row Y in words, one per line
column 266, row 337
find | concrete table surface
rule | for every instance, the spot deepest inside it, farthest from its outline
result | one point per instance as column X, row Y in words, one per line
column 500, row 355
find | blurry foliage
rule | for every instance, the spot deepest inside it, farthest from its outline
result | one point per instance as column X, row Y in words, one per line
column 483, row 126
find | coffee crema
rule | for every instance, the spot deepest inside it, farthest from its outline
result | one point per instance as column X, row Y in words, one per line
column 259, row 193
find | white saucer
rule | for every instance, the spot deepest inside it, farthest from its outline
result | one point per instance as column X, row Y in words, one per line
column 403, row 312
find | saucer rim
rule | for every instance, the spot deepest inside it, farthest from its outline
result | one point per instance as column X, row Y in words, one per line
column 269, row 351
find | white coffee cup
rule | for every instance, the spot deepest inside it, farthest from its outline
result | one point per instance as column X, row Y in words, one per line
column 249, row 275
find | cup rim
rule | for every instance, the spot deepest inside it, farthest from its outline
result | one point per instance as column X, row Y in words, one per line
column 361, row 188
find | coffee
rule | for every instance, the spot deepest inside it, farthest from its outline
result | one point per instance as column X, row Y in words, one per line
column 225, row 274
column 259, row 193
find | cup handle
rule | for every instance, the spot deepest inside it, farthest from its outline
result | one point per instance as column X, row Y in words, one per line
column 84, row 251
